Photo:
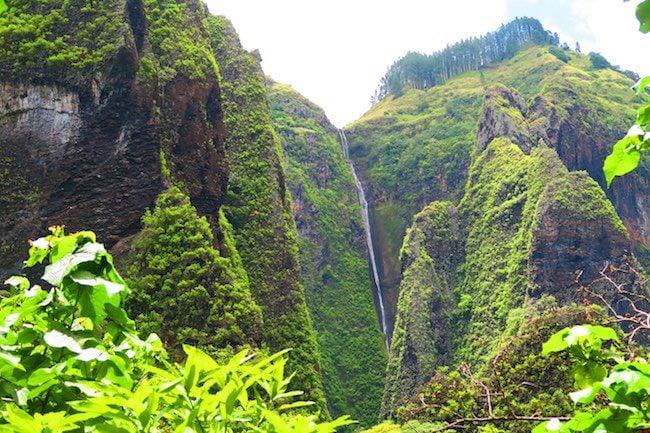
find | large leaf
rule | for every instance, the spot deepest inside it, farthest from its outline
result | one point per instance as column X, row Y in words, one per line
column 624, row 158
column 643, row 15
column 56, row 272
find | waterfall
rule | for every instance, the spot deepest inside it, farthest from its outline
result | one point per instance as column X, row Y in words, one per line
column 366, row 225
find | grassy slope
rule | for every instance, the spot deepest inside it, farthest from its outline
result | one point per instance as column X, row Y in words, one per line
column 333, row 256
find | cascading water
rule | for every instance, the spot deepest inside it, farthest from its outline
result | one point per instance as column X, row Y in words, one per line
column 366, row 224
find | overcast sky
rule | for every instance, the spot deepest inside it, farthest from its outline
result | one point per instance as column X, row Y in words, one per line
column 335, row 52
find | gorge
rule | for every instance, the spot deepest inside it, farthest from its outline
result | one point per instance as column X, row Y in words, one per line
column 410, row 259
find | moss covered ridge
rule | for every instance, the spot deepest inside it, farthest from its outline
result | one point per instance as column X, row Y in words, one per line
column 333, row 256
column 526, row 226
column 258, row 205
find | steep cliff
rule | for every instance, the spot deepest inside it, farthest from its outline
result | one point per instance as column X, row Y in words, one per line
column 417, row 148
column 91, row 102
column 113, row 108
column 258, row 204
column 334, row 256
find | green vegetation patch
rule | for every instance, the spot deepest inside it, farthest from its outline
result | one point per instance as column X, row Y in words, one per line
column 183, row 289
column 259, row 207
column 51, row 40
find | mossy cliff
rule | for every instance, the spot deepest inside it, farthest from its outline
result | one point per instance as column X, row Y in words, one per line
column 525, row 227
column 90, row 131
column 258, row 205
column 334, row 257
column 417, row 148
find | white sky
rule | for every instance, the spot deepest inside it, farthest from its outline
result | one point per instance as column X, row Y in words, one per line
column 334, row 52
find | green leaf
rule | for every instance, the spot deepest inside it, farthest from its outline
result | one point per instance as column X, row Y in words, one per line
column 3, row 6
column 643, row 15
column 641, row 85
column 59, row 340
column 21, row 283
column 624, row 158
column 56, row 272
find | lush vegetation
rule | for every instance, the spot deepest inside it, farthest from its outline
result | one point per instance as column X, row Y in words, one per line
column 71, row 360
column 179, row 45
column 51, row 39
column 183, row 290
column 417, row 148
column 614, row 384
column 421, row 71
column 626, row 153
column 333, row 256
column 259, row 207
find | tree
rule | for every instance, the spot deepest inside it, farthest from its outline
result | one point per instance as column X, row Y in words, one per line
column 598, row 61
column 183, row 289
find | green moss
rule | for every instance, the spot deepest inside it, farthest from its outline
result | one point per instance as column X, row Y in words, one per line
column 60, row 40
column 259, row 207
column 422, row 335
column 179, row 42
column 499, row 208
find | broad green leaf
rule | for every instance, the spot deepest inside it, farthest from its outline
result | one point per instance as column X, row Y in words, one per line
column 624, row 158
column 93, row 354
column 59, row 340
column 556, row 343
column 19, row 282
column 643, row 15
column 56, row 272
column 3, row 6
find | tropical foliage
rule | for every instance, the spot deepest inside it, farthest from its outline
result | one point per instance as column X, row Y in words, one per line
column 626, row 153
column 71, row 360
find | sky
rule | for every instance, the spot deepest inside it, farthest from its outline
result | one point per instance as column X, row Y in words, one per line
column 335, row 52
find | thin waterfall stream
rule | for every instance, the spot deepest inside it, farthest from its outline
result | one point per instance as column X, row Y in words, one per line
column 366, row 225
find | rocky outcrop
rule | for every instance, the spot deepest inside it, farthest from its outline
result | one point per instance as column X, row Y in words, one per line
column 528, row 230
column 422, row 338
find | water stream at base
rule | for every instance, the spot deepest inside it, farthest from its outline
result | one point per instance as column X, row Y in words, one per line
column 366, row 225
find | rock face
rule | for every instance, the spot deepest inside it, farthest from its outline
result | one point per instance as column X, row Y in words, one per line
column 526, row 230
column 422, row 339
column 92, row 152
column 418, row 148
column 258, row 205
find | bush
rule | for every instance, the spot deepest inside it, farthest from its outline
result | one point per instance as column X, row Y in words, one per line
column 71, row 360
column 559, row 53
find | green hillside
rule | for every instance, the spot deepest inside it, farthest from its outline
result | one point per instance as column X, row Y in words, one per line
column 416, row 148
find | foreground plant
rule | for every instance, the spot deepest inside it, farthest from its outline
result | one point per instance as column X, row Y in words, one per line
column 614, row 389
column 71, row 360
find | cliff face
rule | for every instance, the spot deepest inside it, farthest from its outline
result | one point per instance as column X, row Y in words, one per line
column 526, row 229
column 105, row 106
column 84, row 142
column 258, row 205
column 333, row 256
